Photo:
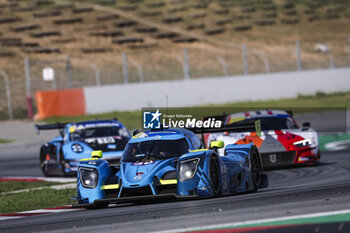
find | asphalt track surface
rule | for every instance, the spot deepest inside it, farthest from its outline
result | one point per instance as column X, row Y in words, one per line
column 293, row 191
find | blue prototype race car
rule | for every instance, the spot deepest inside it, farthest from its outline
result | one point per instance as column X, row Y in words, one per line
column 77, row 140
column 168, row 164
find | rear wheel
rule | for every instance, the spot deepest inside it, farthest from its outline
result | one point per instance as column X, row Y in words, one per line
column 255, row 169
column 214, row 175
column 43, row 164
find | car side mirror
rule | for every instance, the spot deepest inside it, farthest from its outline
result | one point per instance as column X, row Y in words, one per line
column 217, row 144
column 136, row 131
column 306, row 125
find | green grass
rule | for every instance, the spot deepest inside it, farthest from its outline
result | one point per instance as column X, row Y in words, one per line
column 8, row 186
column 304, row 103
column 35, row 199
column 5, row 140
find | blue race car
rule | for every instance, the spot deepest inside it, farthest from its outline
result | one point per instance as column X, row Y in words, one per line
column 168, row 164
column 77, row 140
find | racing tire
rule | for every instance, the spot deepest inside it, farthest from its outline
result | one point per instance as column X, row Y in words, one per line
column 62, row 162
column 214, row 175
column 43, row 165
column 255, row 169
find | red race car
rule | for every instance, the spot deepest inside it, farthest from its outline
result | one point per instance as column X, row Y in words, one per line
column 281, row 141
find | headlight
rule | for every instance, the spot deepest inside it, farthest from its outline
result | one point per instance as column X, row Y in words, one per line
column 77, row 148
column 302, row 143
column 188, row 169
column 88, row 177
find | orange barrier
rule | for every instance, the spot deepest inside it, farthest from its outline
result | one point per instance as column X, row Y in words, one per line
column 60, row 103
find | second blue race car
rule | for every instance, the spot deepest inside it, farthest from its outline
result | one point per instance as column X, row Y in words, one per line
column 77, row 140
column 169, row 163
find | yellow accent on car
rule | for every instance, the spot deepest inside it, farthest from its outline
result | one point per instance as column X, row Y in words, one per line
column 167, row 182
column 198, row 150
column 96, row 154
column 217, row 144
column 72, row 129
column 258, row 128
column 87, row 159
column 110, row 186
column 234, row 120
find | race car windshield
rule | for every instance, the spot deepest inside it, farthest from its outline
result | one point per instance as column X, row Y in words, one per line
column 100, row 137
column 270, row 123
column 154, row 150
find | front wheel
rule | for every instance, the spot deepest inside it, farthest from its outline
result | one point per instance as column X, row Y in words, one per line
column 255, row 169
column 214, row 175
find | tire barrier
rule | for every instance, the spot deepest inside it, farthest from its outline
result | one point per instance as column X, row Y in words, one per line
column 9, row 20
column 146, row 29
column 174, row 19
column 248, row 10
column 82, row 10
column 25, row 9
column 30, row 44
column 64, row 40
column 96, row 50
column 265, row 22
column 142, row 46
column 155, row 4
column 65, row 6
column 107, row 34
column 242, row 28
column 313, row 18
column 196, row 26
column 128, row 7
column 178, row 9
column 165, row 35
column 185, row 40
column 151, row 13
column 7, row 54
column 25, row 27
column 42, row 50
column 222, row 12
column 127, row 40
column 125, row 24
column 215, row 31
column 290, row 21
column 107, row 17
column 243, row 17
column 41, row 34
column 290, row 13
column 46, row 14
column 11, row 42
column 199, row 15
column 224, row 21
column 67, row 21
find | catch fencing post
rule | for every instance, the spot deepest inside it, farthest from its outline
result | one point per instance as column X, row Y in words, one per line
column 28, row 88
column 298, row 52
column 266, row 63
column 186, row 66
column 245, row 60
column 139, row 68
column 69, row 72
column 8, row 94
column 125, row 68
column 223, row 63
column 97, row 74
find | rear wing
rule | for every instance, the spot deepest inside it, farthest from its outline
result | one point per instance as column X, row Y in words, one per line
column 57, row 125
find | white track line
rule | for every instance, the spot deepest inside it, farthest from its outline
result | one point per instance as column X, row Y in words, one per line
column 243, row 223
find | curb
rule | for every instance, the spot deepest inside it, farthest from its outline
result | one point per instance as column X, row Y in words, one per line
column 29, row 213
